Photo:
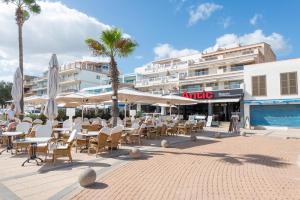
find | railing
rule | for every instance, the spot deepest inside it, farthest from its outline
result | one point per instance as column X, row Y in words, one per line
column 156, row 81
column 237, row 68
column 202, row 73
column 213, row 88
column 165, row 67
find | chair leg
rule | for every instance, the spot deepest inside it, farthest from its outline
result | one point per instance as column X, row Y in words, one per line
column 53, row 158
column 70, row 157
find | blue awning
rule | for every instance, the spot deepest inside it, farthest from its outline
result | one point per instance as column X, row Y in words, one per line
column 272, row 101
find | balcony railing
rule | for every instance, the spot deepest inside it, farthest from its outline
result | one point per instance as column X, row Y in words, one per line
column 202, row 73
column 213, row 88
column 156, row 81
column 217, row 72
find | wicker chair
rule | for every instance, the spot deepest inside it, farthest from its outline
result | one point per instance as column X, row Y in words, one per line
column 135, row 136
column 27, row 119
column 99, row 143
column 64, row 148
column 115, row 137
column 163, row 131
column 25, row 128
column 43, row 131
column 184, row 128
column 171, row 130
column 37, row 121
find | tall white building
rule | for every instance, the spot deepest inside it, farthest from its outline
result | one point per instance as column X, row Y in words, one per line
column 215, row 78
column 73, row 77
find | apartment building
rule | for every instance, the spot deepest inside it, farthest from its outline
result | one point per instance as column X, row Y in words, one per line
column 73, row 77
column 272, row 94
column 213, row 78
column 125, row 81
column 28, row 85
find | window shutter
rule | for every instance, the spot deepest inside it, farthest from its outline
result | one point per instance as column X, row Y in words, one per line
column 262, row 86
column 255, row 86
column 284, row 83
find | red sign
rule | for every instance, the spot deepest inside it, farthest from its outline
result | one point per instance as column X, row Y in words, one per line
column 199, row 95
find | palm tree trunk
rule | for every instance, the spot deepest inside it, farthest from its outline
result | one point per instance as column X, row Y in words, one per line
column 21, row 64
column 114, row 76
column 20, row 22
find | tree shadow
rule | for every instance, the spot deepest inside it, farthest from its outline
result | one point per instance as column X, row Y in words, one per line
column 249, row 158
column 264, row 160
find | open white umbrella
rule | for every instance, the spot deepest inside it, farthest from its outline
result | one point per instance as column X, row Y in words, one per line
column 53, row 78
column 17, row 90
column 35, row 100
column 178, row 100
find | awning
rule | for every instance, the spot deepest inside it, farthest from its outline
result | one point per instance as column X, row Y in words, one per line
column 225, row 100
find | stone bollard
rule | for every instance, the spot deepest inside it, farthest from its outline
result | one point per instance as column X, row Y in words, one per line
column 135, row 153
column 243, row 133
column 87, row 177
column 165, row 143
column 193, row 138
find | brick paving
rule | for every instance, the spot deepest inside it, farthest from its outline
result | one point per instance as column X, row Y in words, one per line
column 255, row 167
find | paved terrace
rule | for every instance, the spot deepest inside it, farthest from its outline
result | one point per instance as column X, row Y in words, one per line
column 252, row 167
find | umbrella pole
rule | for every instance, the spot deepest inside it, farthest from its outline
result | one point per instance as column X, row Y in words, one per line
column 170, row 110
column 125, row 114
column 82, row 112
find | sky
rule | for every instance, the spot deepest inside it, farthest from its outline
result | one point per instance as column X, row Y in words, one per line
column 162, row 28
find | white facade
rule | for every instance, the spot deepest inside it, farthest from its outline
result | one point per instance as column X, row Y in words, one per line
column 273, row 97
column 74, row 77
column 220, row 70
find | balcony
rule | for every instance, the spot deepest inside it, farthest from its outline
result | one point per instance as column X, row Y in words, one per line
column 245, row 54
column 213, row 88
column 201, row 73
column 158, row 68
column 156, row 81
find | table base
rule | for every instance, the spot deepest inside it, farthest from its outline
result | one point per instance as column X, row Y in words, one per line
column 33, row 156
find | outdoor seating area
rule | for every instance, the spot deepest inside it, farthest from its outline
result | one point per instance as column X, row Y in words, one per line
column 92, row 136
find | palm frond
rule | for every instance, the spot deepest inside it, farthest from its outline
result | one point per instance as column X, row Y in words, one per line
column 35, row 8
column 110, row 37
column 26, row 15
column 125, row 47
column 96, row 47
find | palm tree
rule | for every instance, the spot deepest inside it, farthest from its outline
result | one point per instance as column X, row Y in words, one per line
column 23, row 10
column 112, row 44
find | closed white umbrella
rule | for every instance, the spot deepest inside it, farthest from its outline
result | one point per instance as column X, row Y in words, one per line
column 17, row 90
column 53, row 78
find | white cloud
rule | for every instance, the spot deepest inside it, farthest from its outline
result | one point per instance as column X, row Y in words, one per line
column 58, row 29
column 203, row 12
column 167, row 51
column 255, row 18
column 226, row 22
column 277, row 41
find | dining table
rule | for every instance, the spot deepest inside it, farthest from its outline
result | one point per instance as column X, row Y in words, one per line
column 33, row 146
column 10, row 136
column 60, row 131
column 87, row 136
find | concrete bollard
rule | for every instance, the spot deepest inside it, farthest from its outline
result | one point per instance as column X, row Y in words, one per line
column 87, row 177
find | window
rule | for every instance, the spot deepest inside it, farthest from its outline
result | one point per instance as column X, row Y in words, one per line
column 98, row 77
column 236, row 68
column 223, row 68
column 288, row 83
column 201, row 72
column 259, row 87
column 233, row 84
